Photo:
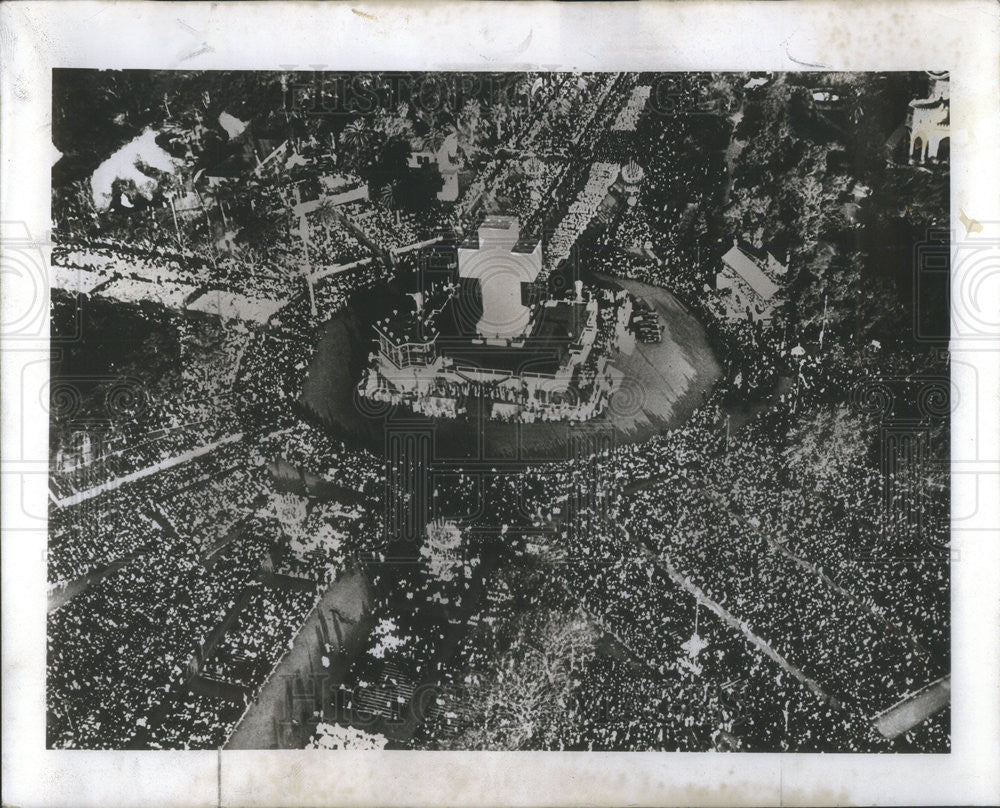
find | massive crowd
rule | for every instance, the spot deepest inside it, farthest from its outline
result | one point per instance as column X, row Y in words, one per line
column 331, row 242
column 567, row 118
column 270, row 379
column 724, row 523
column 580, row 212
column 381, row 226
column 817, row 614
column 136, row 420
column 168, row 275
column 184, row 539
column 524, row 190
column 120, row 650
column 88, row 538
column 268, row 621
column 203, row 516
column 115, row 523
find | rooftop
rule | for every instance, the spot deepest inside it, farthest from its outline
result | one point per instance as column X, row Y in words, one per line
column 553, row 330
column 533, row 359
column 746, row 267
column 496, row 231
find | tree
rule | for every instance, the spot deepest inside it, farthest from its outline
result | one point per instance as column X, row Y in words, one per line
column 523, row 699
column 433, row 140
column 876, row 106
column 498, row 111
column 359, row 141
column 468, row 129
column 442, row 549
column 388, row 195
column 826, row 446
column 419, row 190
column 779, row 191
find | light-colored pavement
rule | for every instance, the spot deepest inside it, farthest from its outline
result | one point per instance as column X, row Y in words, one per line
column 915, row 709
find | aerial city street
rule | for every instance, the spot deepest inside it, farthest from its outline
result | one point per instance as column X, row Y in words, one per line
column 499, row 411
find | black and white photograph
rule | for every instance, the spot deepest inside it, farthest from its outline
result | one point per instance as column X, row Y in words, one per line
column 499, row 411
column 519, row 403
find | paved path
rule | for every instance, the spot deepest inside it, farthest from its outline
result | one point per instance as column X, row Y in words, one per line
column 110, row 485
column 62, row 596
column 325, row 272
column 915, row 709
column 279, row 716
column 904, row 633
column 664, row 563
column 663, row 381
column 903, row 716
column 417, row 245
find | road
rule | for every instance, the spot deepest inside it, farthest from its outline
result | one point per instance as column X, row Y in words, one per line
column 915, row 709
column 663, row 381
column 60, row 597
column 280, row 717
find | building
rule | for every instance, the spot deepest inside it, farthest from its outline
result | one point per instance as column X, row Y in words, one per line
column 402, row 344
column 631, row 177
column 929, row 121
column 551, row 360
column 446, row 160
column 550, row 373
column 749, row 283
column 555, row 369
column 505, row 267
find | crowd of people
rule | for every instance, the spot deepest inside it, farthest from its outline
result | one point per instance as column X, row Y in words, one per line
column 187, row 578
column 342, row 520
column 580, row 213
column 202, row 516
column 115, row 523
column 523, row 191
column 168, row 275
column 92, row 536
column 626, row 533
column 192, row 720
column 628, row 118
column 276, row 365
column 567, row 118
column 191, row 541
column 117, row 650
column 381, row 226
column 248, row 652
column 743, row 601
column 141, row 415
column 644, row 691
column 724, row 524
column 631, row 230
column 332, row 242
column 580, row 111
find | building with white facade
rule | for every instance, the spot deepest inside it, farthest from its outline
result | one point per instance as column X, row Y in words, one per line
column 749, row 283
column 929, row 122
